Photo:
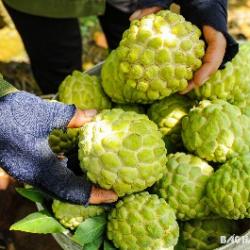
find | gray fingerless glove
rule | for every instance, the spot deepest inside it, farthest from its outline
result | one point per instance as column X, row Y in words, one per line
column 25, row 123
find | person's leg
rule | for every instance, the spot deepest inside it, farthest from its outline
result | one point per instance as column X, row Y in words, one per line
column 114, row 22
column 53, row 45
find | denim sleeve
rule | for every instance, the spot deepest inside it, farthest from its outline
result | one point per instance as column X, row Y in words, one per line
column 25, row 123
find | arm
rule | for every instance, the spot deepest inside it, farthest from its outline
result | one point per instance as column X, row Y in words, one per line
column 25, row 123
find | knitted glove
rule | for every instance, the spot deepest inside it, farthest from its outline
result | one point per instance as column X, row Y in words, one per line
column 25, row 123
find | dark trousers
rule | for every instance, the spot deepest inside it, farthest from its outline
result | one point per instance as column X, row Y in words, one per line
column 54, row 45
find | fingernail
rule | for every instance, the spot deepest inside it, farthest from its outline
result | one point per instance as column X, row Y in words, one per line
column 90, row 112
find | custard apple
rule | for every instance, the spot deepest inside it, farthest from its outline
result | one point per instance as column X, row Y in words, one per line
column 142, row 222
column 216, row 131
column 156, row 57
column 71, row 215
column 183, row 185
column 231, row 83
column 84, row 91
column 206, row 234
column 167, row 114
column 64, row 141
column 131, row 107
column 228, row 190
column 123, row 151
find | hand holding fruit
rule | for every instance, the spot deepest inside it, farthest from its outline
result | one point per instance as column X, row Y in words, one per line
column 24, row 149
column 138, row 14
column 216, row 47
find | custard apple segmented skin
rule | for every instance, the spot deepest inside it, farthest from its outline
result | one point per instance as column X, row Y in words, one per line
column 64, row 141
column 228, row 190
column 155, row 58
column 206, row 234
column 142, row 222
column 167, row 114
column 183, row 185
column 231, row 83
column 131, row 107
column 216, row 131
column 71, row 215
column 123, row 151
column 84, row 91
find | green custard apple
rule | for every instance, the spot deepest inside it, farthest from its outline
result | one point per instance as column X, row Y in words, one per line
column 206, row 234
column 183, row 185
column 71, row 215
column 228, row 190
column 131, row 107
column 64, row 141
column 156, row 57
column 216, row 131
column 123, row 151
column 168, row 114
column 231, row 83
column 84, row 91
column 142, row 222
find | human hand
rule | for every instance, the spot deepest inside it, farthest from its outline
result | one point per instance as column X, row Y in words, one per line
column 25, row 123
column 216, row 47
column 138, row 14
column 98, row 196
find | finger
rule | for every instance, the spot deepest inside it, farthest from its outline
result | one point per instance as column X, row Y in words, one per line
column 99, row 196
column 5, row 180
column 81, row 117
column 190, row 87
column 213, row 57
column 138, row 14
column 135, row 15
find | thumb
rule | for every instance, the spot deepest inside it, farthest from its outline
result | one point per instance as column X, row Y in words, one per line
column 81, row 117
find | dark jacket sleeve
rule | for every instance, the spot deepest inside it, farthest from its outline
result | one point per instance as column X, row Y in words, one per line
column 212, row 13
column 151, row 3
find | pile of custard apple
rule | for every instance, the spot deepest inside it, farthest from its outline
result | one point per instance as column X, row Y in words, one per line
column 179, row 164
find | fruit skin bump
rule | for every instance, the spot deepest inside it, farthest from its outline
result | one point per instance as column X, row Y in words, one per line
column 131, row 107
column 228, row 190
column 183, row 185
column 71, row 215
column 64, row 141
column 231, row 83
column 84, row 91
column 168, row 114
column 216, row 131
column 156, row 57
column 123, row 151
column 206, row 234
column 142, row 222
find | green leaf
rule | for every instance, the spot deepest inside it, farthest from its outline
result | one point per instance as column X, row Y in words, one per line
column 90, row 230
column 31, row 193
column 95, row 245
column 109, row 245
column 39, row 222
